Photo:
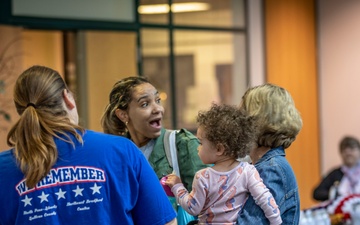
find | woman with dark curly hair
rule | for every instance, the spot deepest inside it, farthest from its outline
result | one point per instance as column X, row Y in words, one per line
column 135, row 111
column 219, row 192
column 57, row 172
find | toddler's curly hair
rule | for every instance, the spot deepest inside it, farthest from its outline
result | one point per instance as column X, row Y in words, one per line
column 229, row 126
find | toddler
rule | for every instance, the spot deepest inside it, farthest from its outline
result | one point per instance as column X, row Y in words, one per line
column 219, row 192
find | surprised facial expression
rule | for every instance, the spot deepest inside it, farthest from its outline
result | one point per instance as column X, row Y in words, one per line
column 145, row 112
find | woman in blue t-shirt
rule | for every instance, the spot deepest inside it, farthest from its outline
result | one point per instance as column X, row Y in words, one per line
column 59, row 173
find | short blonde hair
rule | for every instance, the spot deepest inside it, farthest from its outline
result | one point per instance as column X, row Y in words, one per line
column 279, row 121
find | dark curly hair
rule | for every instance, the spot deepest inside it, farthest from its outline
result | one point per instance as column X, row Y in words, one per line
column 119, row 98
column 229, row 126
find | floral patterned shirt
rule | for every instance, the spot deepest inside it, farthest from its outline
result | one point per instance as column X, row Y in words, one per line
column 217, row 197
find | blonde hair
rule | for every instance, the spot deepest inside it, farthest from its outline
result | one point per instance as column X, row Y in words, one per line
column 279, row 121
column 38, row 97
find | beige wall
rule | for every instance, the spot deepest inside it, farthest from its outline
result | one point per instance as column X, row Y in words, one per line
column 339, row 76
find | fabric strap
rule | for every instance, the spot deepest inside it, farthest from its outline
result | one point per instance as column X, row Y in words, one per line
column 170, row 150
column 183, row 217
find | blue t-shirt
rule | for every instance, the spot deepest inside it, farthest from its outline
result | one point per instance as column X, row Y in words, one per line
column 107, row 180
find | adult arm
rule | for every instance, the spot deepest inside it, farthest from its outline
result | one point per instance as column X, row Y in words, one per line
column 152, row 206
column 321, row 192
column 173, row 222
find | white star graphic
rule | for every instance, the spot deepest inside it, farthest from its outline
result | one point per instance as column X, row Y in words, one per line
column 60, row 194
column 27, row 201
column 96, row 189
column 78, row 191
column 43, row 197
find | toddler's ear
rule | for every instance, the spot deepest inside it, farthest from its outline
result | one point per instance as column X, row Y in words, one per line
column 220, row 149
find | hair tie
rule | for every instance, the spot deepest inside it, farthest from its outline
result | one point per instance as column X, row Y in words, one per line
column 31, row 104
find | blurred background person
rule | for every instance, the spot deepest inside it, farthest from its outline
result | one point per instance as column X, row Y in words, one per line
column 343, row 180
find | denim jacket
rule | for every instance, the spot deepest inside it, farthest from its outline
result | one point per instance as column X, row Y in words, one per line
column 279, row 177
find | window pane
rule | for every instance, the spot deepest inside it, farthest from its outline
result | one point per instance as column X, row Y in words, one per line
column 208, row 66
column 216, row 13
column 110, row 56
column 110, row 10
column 156, row 67
column 154, row 11
column 213, row 13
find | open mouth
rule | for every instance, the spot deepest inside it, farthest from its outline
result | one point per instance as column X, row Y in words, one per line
column 156, row 123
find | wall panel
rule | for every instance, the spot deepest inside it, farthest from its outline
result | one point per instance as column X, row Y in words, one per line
column 290, row 40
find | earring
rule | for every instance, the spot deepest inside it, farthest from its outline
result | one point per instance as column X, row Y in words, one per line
column 126, row 123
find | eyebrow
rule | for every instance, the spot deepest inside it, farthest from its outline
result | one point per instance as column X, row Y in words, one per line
column 146, row 96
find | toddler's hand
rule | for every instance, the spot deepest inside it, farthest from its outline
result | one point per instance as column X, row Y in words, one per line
column 172, row 179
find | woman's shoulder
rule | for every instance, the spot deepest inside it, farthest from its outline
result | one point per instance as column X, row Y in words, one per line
column 7, row 157
column 336, row 172
column 275, row 166
column 98, row 140
column 95, row 135
column 186, row 142
column 185, row 135
column 6, row 153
